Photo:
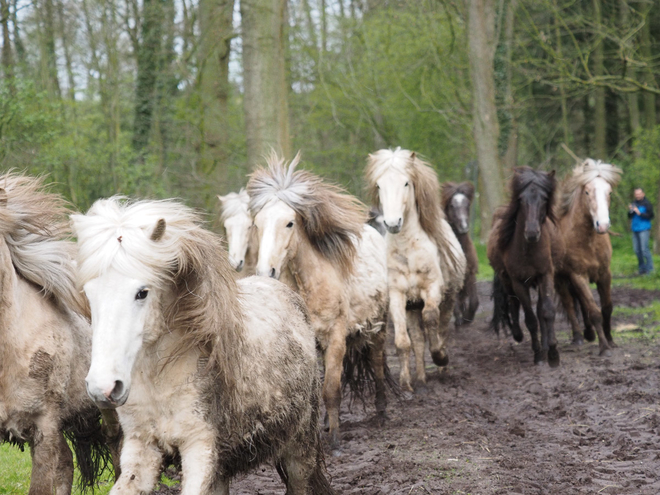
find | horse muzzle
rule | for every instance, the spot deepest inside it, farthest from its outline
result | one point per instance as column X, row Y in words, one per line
column 393, row 228
column 533, row 236
column 108, row 397
column 601, row 228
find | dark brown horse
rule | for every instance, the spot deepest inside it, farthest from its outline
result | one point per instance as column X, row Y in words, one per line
column 523, row 247
column 584, row 222
column 456, row 202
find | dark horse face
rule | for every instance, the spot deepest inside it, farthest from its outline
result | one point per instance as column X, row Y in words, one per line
column 458, row 213
column 535, row 198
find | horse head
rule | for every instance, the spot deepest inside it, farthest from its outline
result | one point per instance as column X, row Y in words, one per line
column 535, row 192
column 277, row 227
column 237, row 222
column 596, row 195
column 457, row 199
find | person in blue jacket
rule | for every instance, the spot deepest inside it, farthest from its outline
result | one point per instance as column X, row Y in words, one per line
column 641, row 212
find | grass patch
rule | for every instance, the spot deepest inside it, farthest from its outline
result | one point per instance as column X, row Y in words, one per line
column 15, row 473
column 646, row 318
column 485, row 270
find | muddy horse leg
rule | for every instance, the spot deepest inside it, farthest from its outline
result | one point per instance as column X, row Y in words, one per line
column 140, row 468
column 435, row 331
column 590, row 310
column 589, row 333
column 567, row 302
column 416, row 331
column 377, row 354
column 530, row 318
column 333, row 361
column 473, row 300
column 546, row 315
column 514, row 310
column 604, row 286
column 45, row 450
column 64, row 467
column 397, row 315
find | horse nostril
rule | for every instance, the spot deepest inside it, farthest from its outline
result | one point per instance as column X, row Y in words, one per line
column 272, row 273
column 240, row 266
column 117, row 391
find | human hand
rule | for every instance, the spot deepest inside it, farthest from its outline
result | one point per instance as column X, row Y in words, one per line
column 636, row 210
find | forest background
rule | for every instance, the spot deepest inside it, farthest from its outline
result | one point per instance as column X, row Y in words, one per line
column 182, row 98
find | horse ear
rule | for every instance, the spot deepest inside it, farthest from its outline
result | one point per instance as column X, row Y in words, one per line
column 551, row 174
column 159, row 230
column 3, row 197
column 222, row 198
column 413, row 155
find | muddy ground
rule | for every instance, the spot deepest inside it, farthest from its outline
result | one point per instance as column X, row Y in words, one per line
column 494, row 423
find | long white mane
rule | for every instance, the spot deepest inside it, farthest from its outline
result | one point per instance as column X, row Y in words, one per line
column 234, row 204
column 33, row 223
column 117, row 234
column 584, row 173
column 382, row 160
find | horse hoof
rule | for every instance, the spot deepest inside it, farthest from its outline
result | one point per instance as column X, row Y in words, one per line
column 553, row 358
column 517, row 336
column 577, row 341
column 612, row 344
column 421, row 389
column 589, row 334
column 605, row 352
column 381, row 418
column 440, row 358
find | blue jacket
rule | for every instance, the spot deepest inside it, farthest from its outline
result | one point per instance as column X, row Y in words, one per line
column 642, row 221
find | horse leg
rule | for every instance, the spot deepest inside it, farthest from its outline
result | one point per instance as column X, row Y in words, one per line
column 140, row 468
column 296, row 467
column 473, row 300
column 589, row 332
column 590, row 310
column 415, row 329
column 401, row 337
column 377, row 353
column 459, row 309
column 530, row 318
column 113, row 437
column 546, row 314
column 333, row 361
column 198, row 463
column 64, row 467
column 514, row 309
column 432, row 314
column 604, row 287
column 567, row 301
column 45, row 451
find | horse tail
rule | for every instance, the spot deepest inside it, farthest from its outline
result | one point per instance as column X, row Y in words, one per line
column 93, row 454
column 501, row 314
column 359, row 371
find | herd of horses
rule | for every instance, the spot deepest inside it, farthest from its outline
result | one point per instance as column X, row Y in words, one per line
column 207, row 358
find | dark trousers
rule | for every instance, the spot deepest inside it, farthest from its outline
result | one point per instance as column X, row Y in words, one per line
column 643, row 251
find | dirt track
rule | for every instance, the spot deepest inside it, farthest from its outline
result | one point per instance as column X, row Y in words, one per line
column 493, row 423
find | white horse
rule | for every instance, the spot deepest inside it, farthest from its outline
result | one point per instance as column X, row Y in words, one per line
column 237, row 222
column 44, row 342
column 222, row 372
column 424, row 259
column 317, row 232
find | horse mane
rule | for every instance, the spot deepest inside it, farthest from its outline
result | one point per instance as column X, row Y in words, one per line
column 523, row 177
column 119, row 234
column 34, row 225
column 451, row 189
column 584, row 173
column 331, row 218
column 234, row 203
column 425, row 183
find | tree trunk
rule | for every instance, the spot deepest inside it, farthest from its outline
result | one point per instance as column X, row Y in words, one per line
column 264, row 73
column 510, row 157
column 148, row 56
column 600, row 116
column 215, row 18
column 649, row 78
column 48, row 55
column 18, row 42
column 482, row 43
column 66, row 44
column 7, row 57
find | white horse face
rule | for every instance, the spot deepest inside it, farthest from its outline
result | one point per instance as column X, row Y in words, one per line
column 238, row 228
column 276, row 225
column 597, row 194
column 120, row 306
column 395, row 191
column 459, row 213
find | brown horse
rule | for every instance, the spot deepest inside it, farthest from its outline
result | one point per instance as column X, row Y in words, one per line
column 522, row 248
column 584, row 222
column 456, row 202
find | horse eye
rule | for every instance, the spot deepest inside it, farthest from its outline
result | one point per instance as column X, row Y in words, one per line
column 406, row 184
column 289, row 225
column 141, row 294
column 586, row 192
